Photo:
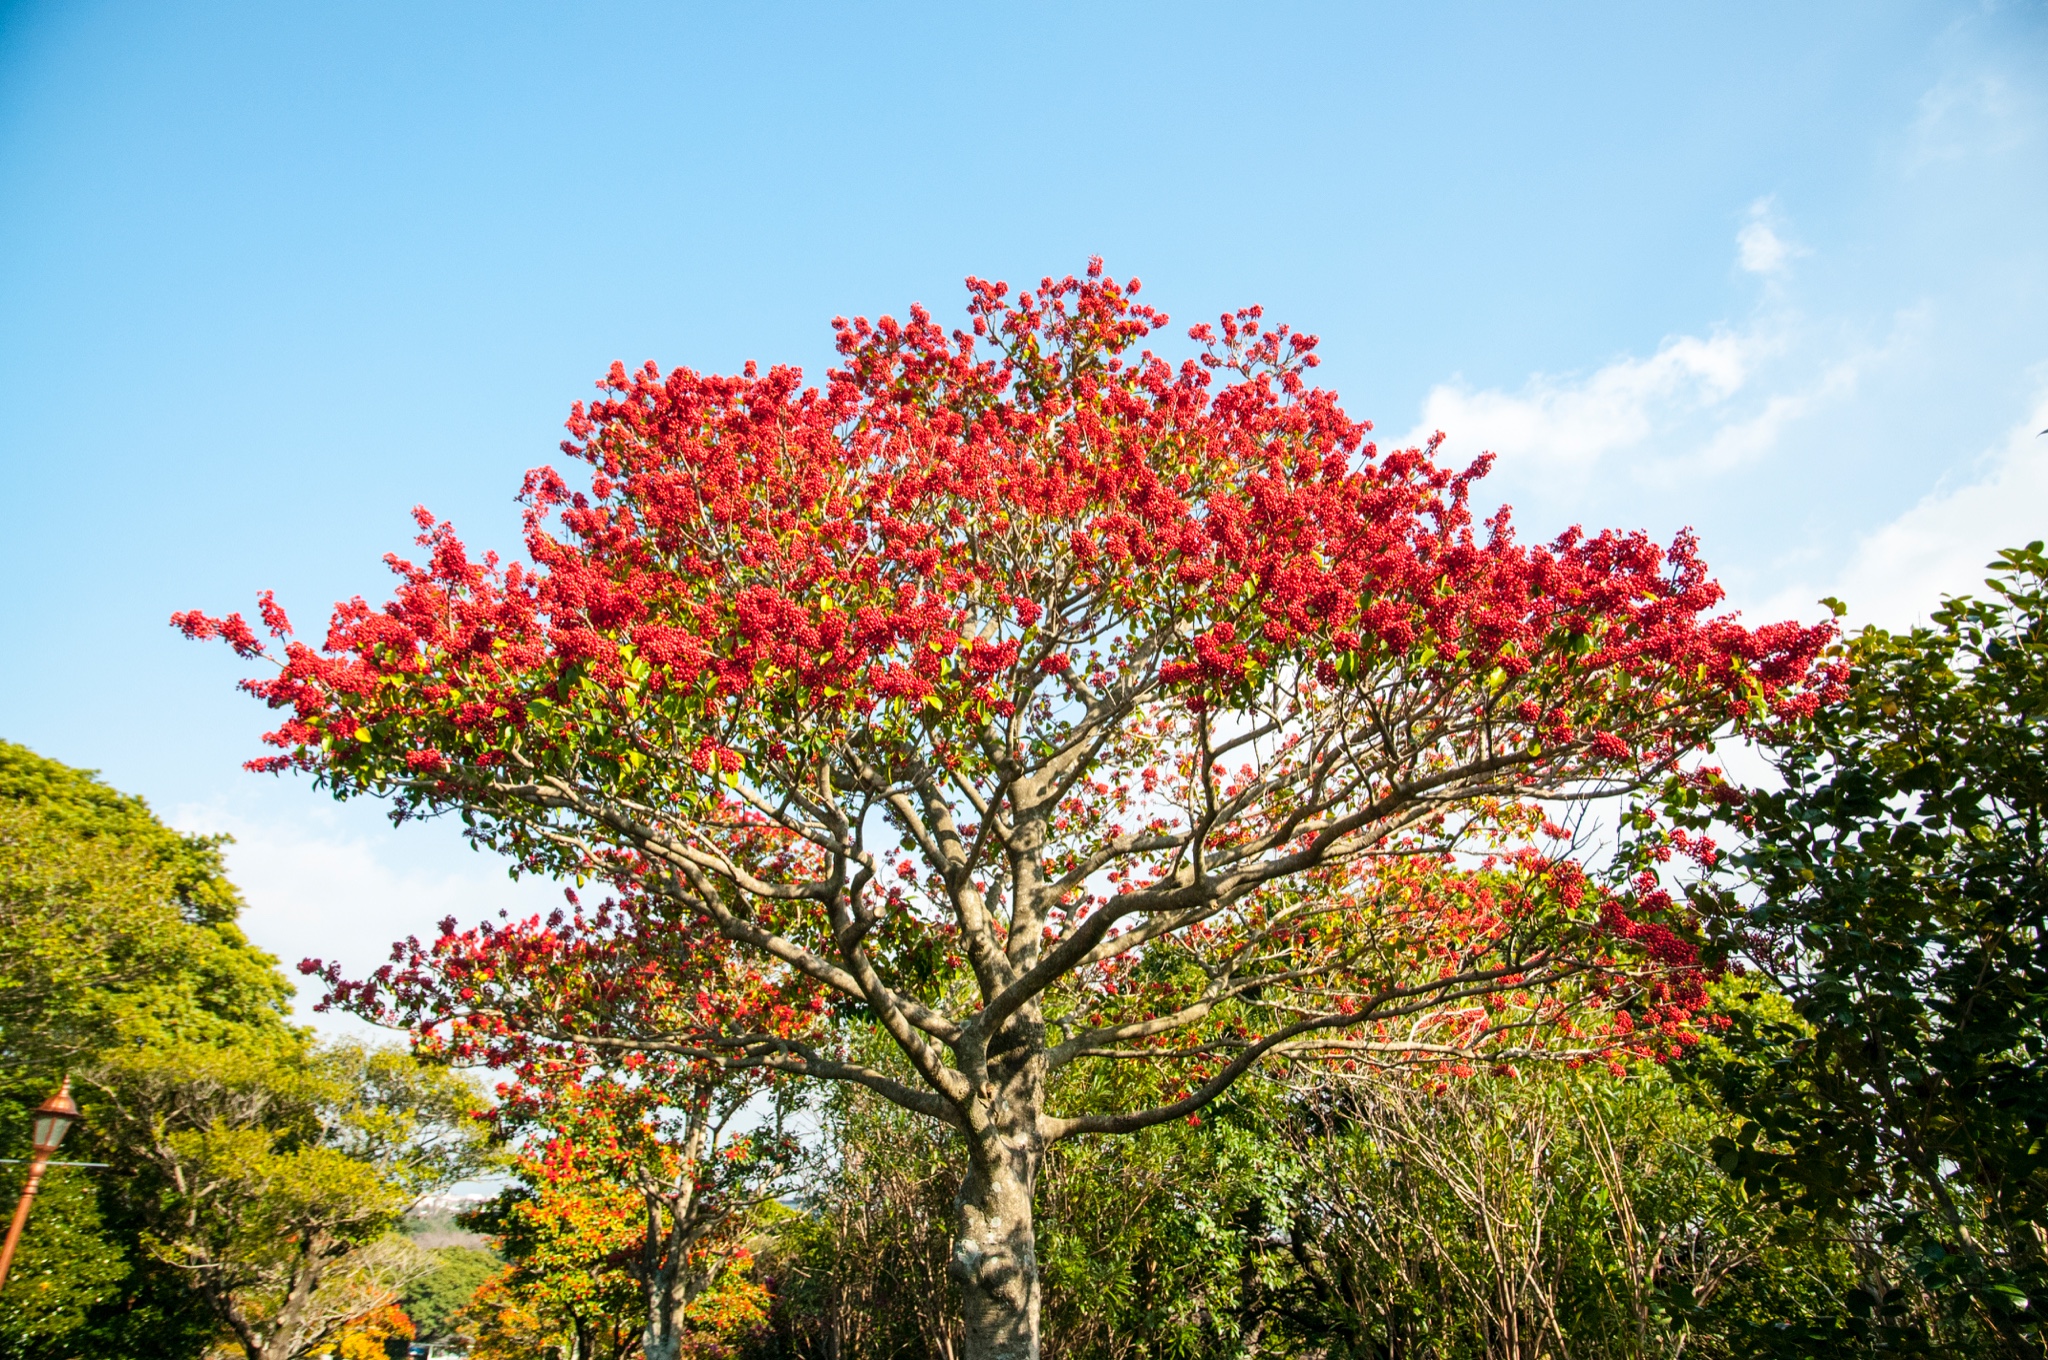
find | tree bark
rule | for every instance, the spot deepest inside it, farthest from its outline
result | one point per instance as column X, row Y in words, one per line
column 677, row 1216
column 995, row 1245
column 670, row 1288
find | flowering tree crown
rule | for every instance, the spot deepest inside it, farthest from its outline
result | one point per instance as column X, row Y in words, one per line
column 1033, row 695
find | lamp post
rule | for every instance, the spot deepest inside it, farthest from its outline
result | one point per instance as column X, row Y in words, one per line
column 54, row 1118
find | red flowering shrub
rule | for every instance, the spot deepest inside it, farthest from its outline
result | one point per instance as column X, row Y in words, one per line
column 1042, row 702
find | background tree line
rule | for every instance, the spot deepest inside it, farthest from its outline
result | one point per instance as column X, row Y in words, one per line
column 1852, row 1164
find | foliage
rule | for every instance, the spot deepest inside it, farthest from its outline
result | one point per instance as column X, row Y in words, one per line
column 66, row 1268
column 1528, row 1216
column 363, row 1338
column 632, row 1202
column 502, row 1323
column 75, row 801
column 730, row 1316
column 588, row 1116
column 1053, row 706
column 862, row 1271
column 114, row 931
column 1497, row 1217
column 1892, row 888
column 273, row 1180
column 433, row 1300
column 568, row 1243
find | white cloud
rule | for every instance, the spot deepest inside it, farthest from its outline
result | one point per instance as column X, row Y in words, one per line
column 1960, row 119
column 1747, row 439
column 318, row 888
column 1693, row 404
column 1568, row 423
column 1759, row 249
column 1898, row 574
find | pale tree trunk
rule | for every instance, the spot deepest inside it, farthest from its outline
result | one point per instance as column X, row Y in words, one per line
column 995, row 1244
column 282, row 1336
column 670, row 1288
column 677, row 1217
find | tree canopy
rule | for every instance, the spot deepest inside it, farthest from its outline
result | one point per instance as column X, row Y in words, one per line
column 254, row 1176
column 111, row 924
column 117, row 933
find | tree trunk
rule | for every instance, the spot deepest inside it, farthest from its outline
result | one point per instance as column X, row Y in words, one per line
column 995, row 1247
column 668, row 1296
column 677, row 1217
column 668, row 1278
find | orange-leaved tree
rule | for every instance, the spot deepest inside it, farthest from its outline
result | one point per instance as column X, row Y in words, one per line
column 626, row 1225
column 648, row 1161
column 1044, row 703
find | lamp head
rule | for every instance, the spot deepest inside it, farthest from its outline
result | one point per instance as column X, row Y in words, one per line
column 54, row 1118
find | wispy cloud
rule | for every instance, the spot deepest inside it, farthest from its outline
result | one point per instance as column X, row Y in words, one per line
column 1981, row 115
column 1759, row 248
column 1700, row 404
column 1898, row 573
column 1571, row 422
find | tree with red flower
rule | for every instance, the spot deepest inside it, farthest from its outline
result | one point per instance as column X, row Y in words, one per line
column 1044, row 703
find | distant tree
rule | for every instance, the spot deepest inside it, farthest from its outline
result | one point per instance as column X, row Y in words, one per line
column 371, row 1335
column 1892, row 887
column 1051, row 705
column 569, row 1242
column 434, row 1300
column 636, row 1174
column 503, row 1322
column 537, row 1001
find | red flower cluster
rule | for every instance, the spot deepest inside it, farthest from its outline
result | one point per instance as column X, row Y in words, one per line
column 920, row 529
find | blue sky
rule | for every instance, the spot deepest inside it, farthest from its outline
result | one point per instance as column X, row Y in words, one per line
column 272, row 275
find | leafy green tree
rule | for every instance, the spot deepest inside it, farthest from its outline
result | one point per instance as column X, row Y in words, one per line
column 113, row 928
column 1892, row 888
column 433, row 1300
column 65, row 1269
column 116, row 932
column 75, row 800
column 273, row 1181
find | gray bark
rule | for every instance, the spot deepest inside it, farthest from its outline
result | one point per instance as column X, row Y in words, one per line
column 995, row 1249
column 678, row 1216
column 994, row 1265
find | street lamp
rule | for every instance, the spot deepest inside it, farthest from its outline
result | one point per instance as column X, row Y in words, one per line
column 54, row 1118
